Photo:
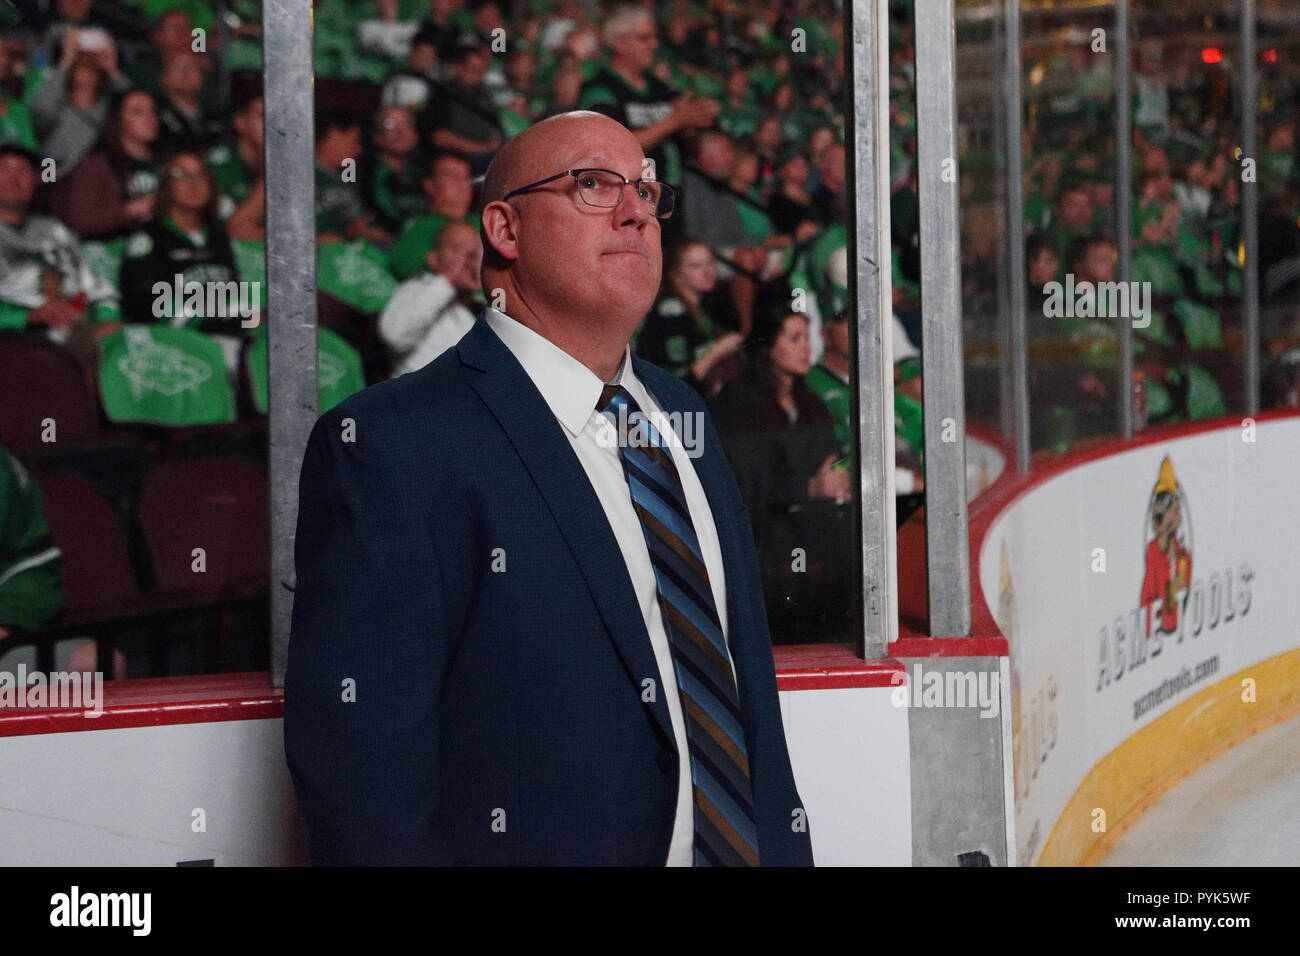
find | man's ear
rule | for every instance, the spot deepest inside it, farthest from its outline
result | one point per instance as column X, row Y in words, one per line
column 501, row 229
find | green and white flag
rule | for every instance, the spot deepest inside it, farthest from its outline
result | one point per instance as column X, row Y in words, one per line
column 338, row 369
column 164, row 376
column 355, row 273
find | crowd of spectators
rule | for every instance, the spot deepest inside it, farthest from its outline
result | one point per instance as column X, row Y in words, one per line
column 1188, row 171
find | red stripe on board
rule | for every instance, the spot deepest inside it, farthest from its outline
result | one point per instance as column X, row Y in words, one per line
column 158, row 702
column 994, row 645
column 832, row 667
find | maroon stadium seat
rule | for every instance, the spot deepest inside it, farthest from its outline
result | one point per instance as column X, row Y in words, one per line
column 40, row 380
column 97, row 576
column 219, row 505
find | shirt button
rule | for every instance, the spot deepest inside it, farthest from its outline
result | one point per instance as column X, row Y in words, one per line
column 667, row 762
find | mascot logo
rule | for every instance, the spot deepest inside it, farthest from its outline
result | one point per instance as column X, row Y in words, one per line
column 1168, row 552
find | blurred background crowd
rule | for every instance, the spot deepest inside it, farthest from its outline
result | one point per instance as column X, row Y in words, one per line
column 131, row 174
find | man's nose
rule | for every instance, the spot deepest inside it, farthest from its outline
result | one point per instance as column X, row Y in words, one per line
column 632, row 207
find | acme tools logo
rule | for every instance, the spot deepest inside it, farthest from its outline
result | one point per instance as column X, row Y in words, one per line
column 1169, row 552
column 1171, row 603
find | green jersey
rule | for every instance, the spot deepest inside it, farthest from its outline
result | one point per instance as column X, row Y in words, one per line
column 835, row 395
column 233, row 177
column 31, row 565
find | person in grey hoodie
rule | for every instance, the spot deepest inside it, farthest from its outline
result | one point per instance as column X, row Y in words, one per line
column 69, row 106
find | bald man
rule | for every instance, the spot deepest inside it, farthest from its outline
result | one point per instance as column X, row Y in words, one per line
column 528, row 624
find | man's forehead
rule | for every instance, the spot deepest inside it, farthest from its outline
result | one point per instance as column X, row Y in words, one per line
column 567, row 143
column 630, row 164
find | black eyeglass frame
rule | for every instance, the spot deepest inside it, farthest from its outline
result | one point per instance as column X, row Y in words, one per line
column 665, row 188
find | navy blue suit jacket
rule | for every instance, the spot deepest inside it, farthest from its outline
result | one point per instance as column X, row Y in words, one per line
column 465, row 675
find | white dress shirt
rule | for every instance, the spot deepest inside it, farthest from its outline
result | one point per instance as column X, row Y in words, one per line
column 572, row 392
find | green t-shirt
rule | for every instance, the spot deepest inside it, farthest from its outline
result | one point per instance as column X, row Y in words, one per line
column 908, row 424
column 397, row 194
column 31, row 566
column 754, row 219
column 835, row 395
column 1037, row 210
column 832, row 238
column 233, row 178
column 738, row 121
column 407, row 256
column 16, row 124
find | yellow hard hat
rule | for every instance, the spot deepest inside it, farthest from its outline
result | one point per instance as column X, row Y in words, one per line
column 1167, row 482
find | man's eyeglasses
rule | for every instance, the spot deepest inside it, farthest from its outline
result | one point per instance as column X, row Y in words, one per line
column 603, row 188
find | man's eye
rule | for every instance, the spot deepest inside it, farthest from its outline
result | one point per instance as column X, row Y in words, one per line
column 588, row 182
column 647, row 192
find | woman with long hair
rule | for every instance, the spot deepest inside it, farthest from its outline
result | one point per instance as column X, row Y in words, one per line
column 185, row 238
column 111, row 192
column 679, row 334
column 186, row 245
column 780, row 440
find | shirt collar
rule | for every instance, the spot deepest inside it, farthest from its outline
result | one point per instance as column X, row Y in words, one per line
column 570, row 389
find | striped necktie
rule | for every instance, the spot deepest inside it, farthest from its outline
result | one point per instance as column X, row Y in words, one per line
column 725, row 834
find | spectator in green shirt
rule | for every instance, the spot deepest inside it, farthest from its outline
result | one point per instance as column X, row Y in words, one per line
column 340, row 213
column 679, row 334
column 171, row 35
column 393, row 187
column 449, row 192
column 740, row 109
column 1072, row 217
column 15, row 117
column 236, row 166
column 830, row 378
column 31, row 565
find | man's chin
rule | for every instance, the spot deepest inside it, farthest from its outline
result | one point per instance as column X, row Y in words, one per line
column 632, row 298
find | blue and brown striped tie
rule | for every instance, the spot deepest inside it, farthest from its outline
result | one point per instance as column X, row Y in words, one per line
column 725, row 834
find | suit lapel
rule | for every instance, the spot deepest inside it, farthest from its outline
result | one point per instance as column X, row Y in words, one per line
column 543, row 447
